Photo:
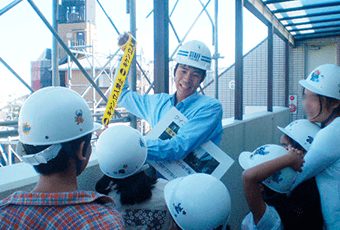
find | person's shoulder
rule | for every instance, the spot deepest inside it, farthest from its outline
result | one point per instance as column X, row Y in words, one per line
column 330, row 132
column 11, row 198
column 209, row 102
column 203, row 99
column 102, row 216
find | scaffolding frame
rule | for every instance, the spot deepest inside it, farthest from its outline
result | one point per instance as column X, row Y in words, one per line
column 132, row 12
column 162, row 19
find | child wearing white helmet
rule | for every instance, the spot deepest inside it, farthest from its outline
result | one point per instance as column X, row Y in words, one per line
column 204, row 113
column 303, row 203
column 263, row 166
column 55, row 127
column 198, row 202
column 296, row 209
column 122, row 153
column 322, row 105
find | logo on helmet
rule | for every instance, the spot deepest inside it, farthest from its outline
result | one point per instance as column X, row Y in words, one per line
column 316, row 75
column 122, row 171
column 79, row 116
column 194, row 56
column 179, row 209
column 259, row 151
column 26, row 128
column 310, row 139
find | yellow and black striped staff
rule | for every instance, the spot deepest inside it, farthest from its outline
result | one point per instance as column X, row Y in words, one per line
column 128, row 44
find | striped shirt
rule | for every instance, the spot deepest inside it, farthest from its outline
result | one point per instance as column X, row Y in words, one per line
column 68, row 210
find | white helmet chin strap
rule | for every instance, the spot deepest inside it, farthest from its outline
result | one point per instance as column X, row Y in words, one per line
column 336, row 110
column 143, row 168
column 40, row 157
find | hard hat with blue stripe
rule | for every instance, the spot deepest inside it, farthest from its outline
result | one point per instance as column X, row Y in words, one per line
column 194, row 53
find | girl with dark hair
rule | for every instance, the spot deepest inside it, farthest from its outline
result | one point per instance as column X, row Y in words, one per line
column 139, row 198
column 322, row 105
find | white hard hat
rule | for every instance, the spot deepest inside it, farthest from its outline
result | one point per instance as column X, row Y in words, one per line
column 302, row 131
column 54, row 115
column 121, row 151
column 194, row 53
column 324, row 80
column 282, row 180
column 198, row 201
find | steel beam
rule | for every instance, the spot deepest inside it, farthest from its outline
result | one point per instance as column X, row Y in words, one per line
column 161, row 46
column 239, row 60
column 258, row 8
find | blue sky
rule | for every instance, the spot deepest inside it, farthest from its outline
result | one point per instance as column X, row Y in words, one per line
column 23, row 36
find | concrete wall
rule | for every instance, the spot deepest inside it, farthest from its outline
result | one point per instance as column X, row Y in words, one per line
column 246, row 135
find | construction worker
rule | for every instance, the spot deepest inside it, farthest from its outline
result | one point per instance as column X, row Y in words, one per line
column 204, row 113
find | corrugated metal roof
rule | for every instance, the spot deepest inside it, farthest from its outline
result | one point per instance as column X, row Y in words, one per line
column 306, row 19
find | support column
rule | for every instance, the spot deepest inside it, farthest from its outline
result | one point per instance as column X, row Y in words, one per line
column 239, row 60
column 133, row 69
column 55, row 58
column 270, row 69
column 161, row 46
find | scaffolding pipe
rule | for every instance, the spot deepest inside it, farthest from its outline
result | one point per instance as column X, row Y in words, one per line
column 5, row 134
column 55, row 59
column 173, row 8
column 114, row 26
column 74, row 59
column 133, row 69
column 144, row 74
column 205, row 9
column 189, row 29
column 9, row 123
column 173, row 29
column 9, row 6
column 172, row 26
column 15, row 74
column 100, row 72
column 216, row 54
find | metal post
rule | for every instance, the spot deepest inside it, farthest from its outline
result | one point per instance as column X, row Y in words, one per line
column 216, row 54
column 93, row 77
column 270, row 69
column 286, row 73
column 161, row 46
column 55, row 59
column 239, row 60
column 133, row 69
